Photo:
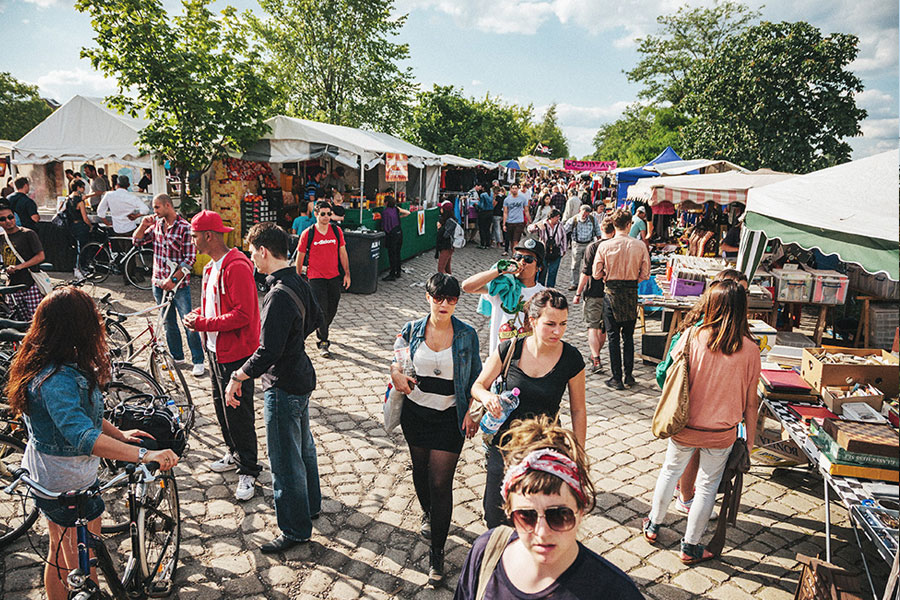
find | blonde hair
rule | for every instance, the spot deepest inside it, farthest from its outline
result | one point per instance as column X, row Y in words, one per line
column 539, row 433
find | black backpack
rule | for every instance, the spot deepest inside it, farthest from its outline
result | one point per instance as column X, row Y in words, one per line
column 309, row 243
column 553, row 251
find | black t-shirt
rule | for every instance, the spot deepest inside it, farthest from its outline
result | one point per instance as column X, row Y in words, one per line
column 594, row 287
column 590, row 576
column 732, row 238
column 73, row 215
column 144, row 183
column 24, row 207
column 498, row 205
column 27, row 244
column 541, row 395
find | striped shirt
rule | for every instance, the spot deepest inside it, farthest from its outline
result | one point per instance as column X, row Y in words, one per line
column 434, row 372
column 174, row 244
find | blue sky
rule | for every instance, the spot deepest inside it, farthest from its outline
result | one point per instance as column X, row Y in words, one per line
column 572, row 52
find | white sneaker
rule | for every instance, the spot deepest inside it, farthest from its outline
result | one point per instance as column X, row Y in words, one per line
column 245, row 487
column 198, row 370
column 226, row 463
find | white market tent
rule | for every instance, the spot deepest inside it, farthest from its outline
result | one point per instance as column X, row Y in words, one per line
column 452, row 160
column 297, row 140
column 721, row 188
column 850, row 210
column 683, row 167
column 86, row 129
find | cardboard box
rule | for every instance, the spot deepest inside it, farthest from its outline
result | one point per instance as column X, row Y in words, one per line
column 818, row 374
column 775, row 449
column 831, row 395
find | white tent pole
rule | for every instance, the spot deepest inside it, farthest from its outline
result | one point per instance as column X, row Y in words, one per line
column 362, row 185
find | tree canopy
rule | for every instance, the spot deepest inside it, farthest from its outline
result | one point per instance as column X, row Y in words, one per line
column 639, row 136
column 192, row 76
column 548, row 133
column 335, row 61
column 446, row 122
column 21, row 107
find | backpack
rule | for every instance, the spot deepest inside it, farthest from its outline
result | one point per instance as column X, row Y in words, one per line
column 459, row 236
column 309, row 242
column 553, row 250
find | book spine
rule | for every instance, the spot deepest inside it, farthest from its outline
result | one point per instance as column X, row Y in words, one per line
column 836, row 454
column 860, row 472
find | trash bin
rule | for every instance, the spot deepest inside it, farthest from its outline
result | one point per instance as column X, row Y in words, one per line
column 363, row 250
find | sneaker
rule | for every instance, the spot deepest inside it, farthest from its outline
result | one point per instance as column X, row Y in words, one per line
column 682, row 506
column 245, row 487
column 198, row 370
column 615, row 384
column 324, row 352
column 629, row 382
column 596, row 365
column 226, row 463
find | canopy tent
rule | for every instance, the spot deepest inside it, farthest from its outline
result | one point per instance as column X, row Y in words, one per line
column 451, row 160
column 700, row 165
column 86, row 129
column 540, row 162
column 850, row 210
column 629, row 176
column 721, row 188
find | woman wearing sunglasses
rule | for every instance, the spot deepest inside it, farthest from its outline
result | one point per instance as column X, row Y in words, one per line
column 546, row 494
column 543, row 367
column 435, row 415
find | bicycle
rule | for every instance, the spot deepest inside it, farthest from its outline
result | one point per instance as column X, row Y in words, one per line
column 15, row 520
column 99, row 259
column 155, row 525
column 161, row 364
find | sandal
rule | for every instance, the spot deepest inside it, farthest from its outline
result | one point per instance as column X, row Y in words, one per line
column 691, row 554
column 650, row 530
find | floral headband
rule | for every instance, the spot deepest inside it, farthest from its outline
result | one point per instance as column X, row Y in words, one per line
column 548, row 461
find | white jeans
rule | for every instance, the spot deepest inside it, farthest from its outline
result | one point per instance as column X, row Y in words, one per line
column 712, row 465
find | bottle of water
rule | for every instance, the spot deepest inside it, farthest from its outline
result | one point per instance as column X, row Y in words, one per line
column 402, row 357
column 173, row 408
column 509, row 400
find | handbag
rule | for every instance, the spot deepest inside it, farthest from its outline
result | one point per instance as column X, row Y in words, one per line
column 41, row 279
column 497, row 543
column 167, row 432
column 671, row 413
column 392, row 407
column 499, row 386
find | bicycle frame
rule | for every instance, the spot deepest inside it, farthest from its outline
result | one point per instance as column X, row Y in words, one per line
column 163, row 308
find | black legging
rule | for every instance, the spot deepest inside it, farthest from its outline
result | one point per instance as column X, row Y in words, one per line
column 433, row 472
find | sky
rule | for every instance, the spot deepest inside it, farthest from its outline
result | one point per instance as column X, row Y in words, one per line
column 570, row 52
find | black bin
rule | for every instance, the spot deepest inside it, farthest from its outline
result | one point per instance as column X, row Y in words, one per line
column 364, row 251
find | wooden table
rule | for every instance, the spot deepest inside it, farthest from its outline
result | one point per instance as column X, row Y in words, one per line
column 820, row 319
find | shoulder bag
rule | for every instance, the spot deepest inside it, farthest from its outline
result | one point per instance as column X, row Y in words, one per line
column 672, row 411
column 499, row 385
column 41, row 279
column 497, row 543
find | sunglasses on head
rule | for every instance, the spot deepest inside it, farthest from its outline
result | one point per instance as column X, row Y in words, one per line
column 9, row 218
column 559, row 518
column 448, row 299
column 526, row 258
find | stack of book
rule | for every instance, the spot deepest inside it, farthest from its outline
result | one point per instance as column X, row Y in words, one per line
column 785, row 385
column 855, row 449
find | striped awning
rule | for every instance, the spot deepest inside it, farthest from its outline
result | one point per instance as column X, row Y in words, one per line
column 677, row 196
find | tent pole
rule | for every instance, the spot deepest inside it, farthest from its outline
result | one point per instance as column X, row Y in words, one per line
column 362, row 194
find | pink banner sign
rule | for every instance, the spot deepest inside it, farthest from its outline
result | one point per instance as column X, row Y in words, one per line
column 590, row 165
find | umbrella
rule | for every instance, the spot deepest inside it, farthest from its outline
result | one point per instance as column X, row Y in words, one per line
column 510, row 164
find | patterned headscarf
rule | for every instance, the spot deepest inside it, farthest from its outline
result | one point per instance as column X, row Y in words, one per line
column 548, row 461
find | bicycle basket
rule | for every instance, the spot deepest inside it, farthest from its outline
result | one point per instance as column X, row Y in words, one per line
column 167, row 432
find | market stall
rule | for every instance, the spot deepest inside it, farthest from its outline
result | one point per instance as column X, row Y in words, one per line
column 627, row 177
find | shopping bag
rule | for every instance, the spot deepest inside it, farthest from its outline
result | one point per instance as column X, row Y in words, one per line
column 392, row 407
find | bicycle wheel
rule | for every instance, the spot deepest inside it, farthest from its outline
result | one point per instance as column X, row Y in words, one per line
column 96, row 263
column 128, row 381
column 139, row 268
column 17, row 514
column 168, row 375
column 119, row 340
column 159, row 535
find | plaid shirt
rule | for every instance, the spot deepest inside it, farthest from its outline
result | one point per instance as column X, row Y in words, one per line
column 584, row 231
column 173, row 245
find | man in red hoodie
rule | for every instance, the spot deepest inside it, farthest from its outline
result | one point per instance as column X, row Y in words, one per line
column 228, row 321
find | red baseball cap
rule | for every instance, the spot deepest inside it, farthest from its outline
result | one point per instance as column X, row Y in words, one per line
column 207, row 220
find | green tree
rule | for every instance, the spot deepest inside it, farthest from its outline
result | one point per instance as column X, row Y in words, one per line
column 335, row 61
column 21, row 108
column 778, row 95
column 192, row 76
column 688, row 36
column 548, row 133
column 639, row 136
column 446, row 122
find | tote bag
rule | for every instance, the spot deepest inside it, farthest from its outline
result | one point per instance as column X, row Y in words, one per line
column 672, row 411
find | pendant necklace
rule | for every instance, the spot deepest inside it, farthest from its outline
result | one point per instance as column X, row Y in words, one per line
column 437, row 371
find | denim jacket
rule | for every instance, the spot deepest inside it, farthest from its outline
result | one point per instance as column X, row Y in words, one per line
column 466, row 359
column 65, row 415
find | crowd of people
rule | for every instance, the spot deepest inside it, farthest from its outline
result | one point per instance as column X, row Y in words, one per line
column 537, row 486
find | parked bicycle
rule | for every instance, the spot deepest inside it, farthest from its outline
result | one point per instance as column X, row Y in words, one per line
column 99, row 259
column 155, row 525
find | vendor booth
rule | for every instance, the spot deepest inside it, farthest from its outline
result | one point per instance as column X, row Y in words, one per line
column 627, row 177
column 458, row 177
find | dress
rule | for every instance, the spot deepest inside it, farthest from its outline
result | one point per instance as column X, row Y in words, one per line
column 429, row 417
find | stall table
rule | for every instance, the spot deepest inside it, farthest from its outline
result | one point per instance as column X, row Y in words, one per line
column 849, row 490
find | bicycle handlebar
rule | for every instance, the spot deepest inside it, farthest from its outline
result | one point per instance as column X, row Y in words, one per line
column 22, row 476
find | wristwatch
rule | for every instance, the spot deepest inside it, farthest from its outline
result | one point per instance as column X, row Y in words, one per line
column 142, row 452
column 234, row 377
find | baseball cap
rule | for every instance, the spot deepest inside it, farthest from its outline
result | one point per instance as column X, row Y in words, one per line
column 207, row 220
column 532, row 245
column 641, row 209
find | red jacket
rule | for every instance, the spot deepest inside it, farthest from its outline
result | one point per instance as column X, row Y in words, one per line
column 237, row 307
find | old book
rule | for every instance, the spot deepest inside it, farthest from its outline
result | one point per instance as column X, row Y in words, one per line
column 836, row 454
column 859, row 472
column 865, row 438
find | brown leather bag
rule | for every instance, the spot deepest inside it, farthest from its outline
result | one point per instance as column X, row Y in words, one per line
column 671, row 414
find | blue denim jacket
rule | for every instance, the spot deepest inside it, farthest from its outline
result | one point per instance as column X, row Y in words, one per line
column 466, row 359
column 65, row 415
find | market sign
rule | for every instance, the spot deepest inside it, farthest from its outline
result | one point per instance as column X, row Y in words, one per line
column 590, row 165
column 396, row 167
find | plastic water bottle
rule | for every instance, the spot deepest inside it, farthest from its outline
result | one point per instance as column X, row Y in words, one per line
column 173, row 408
column 402, row 357
column 509, row 400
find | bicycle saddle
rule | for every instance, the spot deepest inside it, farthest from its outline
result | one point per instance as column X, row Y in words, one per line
column 11, row 335
column 9, row 289
column 15, row 325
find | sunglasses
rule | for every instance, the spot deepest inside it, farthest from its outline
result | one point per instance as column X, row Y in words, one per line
column 324, row 214
column 448, row 299
column 559, row 518
column 526, row 258
column 11, row 218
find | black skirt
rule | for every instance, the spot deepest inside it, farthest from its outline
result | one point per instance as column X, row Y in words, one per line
column 425, row 427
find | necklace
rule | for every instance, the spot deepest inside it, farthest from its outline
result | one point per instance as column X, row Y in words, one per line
column 434, row 357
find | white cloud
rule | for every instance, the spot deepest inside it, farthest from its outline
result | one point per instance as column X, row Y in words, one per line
column 877, row 103
column 580, row 123
column 43, row 3
column 476, row 82
column 62, row 85
column 877, row 52
column 881, row 129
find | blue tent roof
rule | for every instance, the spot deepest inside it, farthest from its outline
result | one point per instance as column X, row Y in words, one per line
column 626, row 178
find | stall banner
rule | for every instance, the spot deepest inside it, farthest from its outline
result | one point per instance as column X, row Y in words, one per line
column 590, row 165
column 420, row 221
column 396, row 167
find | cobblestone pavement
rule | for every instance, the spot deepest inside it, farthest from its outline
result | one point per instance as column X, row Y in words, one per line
column 365, row 545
